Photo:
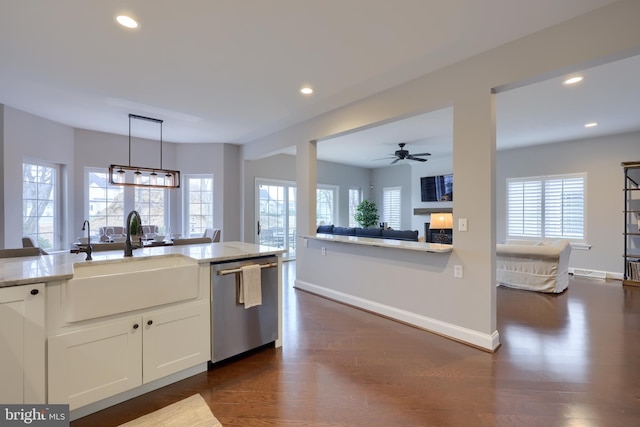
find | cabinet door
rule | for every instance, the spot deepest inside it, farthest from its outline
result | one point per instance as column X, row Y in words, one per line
column 22, row 353
column 176, row 339
column 94, row 363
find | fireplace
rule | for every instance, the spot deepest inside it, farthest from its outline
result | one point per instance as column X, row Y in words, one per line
column 432, row 235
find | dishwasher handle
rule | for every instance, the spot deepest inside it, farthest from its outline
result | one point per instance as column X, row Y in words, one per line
column 238, row 270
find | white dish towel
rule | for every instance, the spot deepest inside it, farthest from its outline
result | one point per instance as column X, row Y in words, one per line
column 250, row 292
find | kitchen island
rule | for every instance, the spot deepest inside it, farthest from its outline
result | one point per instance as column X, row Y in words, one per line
column 113, row 327
column 60, row 266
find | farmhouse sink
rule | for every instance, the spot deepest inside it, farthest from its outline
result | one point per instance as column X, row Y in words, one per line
column 103, row 288
column 83, row 270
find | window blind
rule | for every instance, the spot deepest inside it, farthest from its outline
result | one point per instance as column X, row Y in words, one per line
column 391, row 206
column 546, row 206
column 355, row 197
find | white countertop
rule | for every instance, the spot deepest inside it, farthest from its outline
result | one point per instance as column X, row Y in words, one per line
column 59, row 266
column 384, row 243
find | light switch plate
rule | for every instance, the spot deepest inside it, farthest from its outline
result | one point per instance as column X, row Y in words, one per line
column 462, row 224
column 458, row 271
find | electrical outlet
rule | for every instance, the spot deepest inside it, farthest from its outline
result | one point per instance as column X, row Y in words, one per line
column 457, row 271
column 324, row 251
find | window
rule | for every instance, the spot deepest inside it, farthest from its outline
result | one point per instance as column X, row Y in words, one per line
column 106, row 202
column 198, row 204
column 325, row 204
column 40, row 204
column 391, row 207
column 355, row 197
column 151, row 203
column 546, row 206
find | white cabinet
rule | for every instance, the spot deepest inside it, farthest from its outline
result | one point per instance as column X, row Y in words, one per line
column 175, row 339
column 93, row 362
column 22, row 344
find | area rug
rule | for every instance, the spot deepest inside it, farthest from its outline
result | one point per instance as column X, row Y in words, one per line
column 192, row 411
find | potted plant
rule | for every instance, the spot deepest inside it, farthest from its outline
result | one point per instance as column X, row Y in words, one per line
column 367, row 214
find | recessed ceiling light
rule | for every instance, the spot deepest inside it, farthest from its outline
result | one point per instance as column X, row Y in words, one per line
column 591, row 125
column 127, row 21
column 572, row 80
column 306, row 90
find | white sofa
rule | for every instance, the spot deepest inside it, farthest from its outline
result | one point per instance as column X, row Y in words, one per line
column 541, row 266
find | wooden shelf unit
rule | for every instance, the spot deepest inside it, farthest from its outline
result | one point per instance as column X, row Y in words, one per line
column 631, row 274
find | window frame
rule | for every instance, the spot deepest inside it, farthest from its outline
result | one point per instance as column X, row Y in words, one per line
column 145, row 213
column 335, row 197
column 543, row 206
column 87, row 197
column 398, row 208
column 186, row 202
column 352, row 208
column 57, row 198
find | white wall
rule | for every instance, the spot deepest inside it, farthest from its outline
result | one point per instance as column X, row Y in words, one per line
column 204, row 159
column 29, row 136
column 99, row 150
column 600, row 158
column 231, row 196
column 434, row 167
column 469, row 303
column 394, row 176
column 344, row 177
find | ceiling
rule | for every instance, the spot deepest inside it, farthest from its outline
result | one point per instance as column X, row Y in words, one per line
column 230, row 71
column 541, row 113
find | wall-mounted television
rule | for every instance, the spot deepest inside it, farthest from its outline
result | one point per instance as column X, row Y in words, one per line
column 436, row 188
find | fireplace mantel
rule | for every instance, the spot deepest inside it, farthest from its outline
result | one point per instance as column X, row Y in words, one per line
column 429, row 211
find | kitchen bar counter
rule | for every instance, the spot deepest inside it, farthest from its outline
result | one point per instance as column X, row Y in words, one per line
column 59, row 266
column 384, row 243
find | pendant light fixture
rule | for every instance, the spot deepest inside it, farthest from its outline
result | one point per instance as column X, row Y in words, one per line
column 142, row 176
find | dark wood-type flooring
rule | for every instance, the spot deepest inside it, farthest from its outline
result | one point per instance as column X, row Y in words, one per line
column 566, row 360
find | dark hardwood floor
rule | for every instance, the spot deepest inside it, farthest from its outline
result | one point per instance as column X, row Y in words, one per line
column 566, row 360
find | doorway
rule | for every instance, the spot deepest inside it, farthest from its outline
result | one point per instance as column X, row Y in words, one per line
column 276, row 213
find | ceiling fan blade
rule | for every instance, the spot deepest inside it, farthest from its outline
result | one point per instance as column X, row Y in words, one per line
column 416, row 158
column 395, row 161
column 420, row 154
column 384, row 158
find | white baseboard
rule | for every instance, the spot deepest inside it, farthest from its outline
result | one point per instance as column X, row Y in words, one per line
column 468, row 336
column 595, row 274
column 138, row 391
column 585, row 272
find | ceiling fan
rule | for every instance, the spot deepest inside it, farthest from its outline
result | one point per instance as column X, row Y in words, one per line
column 403, row 154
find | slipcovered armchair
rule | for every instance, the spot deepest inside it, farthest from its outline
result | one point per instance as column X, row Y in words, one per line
column 541, row 266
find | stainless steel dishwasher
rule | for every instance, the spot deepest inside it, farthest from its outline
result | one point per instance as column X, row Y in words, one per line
column 234, row 328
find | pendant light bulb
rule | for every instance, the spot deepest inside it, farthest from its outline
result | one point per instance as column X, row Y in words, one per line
column 119, row 176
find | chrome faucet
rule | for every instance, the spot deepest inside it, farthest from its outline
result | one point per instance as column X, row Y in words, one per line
column 89, row 248
column 128, row 248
